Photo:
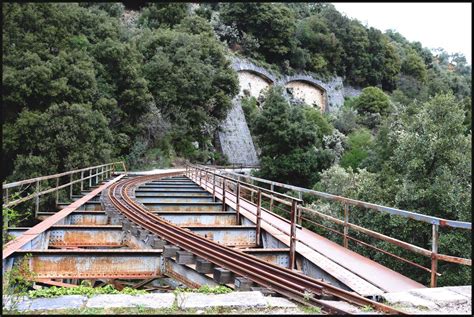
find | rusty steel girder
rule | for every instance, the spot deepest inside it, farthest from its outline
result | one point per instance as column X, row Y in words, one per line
column 92, row 264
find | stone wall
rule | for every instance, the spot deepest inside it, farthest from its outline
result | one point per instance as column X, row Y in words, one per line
column 251, row 83
column 307, row 93
column 234, row 135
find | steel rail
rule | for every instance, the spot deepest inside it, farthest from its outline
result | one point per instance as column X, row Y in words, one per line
column 286, row 282
column 302, row 278
column 230, row 262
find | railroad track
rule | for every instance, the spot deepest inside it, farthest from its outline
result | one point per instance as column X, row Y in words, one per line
column 292, row 284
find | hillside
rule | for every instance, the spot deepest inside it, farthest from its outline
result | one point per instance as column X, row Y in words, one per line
column 90, row 83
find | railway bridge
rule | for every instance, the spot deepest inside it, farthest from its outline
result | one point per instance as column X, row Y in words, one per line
column 203, row 225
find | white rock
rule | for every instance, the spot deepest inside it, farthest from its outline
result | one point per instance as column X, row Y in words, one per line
column 234, row 299
column 159, row 300
column 279, row 302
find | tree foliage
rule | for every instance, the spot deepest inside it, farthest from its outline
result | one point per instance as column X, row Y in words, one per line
column 273, row 25
column 56, row 54
column 156, row 15
column 291, row 149
column 53, row 140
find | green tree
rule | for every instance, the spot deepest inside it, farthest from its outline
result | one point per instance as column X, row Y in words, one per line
column 359, row 143
column 156, row 15
column 319, row 120
column 273, row 25
column 291, row 151
column 370, row 105
column 313, row 34
column 424, row 154
column 413, row 65
column 191, row 81
column 46, row 142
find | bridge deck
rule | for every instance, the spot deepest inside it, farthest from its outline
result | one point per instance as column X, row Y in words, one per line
column 359, row 273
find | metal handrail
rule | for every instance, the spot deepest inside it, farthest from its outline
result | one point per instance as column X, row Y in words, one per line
column 394, row 211
column 196, row 172
column 252, row 186
column 435, row 222
column 41, row 178
column 104, row 171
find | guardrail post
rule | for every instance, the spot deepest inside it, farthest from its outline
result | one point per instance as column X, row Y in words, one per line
column 6, row 196
column 237, row 203
column 272, row 187
column 346, row 227
column 90, row 178
column 223, row 195
column 434, row 258
column 97, row 175
column 214, row 186
column 70, row 187
column 205, row 178
column 82, row 181
column 37, row 199
column 293, row 234
column 57, row 190
column 251, row 192
column 259, row 217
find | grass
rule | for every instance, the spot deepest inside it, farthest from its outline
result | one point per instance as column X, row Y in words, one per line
column 82, row 290
column 367, row 308
column 311, row 309
column 139, row 310
column 206, row 289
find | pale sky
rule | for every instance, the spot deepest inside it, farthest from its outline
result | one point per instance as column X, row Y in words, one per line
column 446, row 25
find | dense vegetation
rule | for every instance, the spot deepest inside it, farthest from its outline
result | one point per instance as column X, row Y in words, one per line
column 83, row 84
column 158, row 86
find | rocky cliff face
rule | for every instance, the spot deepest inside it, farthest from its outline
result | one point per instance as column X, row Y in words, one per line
column 235, row 139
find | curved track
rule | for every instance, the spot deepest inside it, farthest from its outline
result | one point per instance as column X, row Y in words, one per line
column 292, row 284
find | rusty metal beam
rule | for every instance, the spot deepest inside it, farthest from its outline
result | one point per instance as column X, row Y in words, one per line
column 50, row 282
column 88, row 264
column 29, row 235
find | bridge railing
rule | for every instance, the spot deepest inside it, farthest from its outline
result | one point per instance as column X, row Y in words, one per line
column 250, row 194
column 94, row 174
column 435, row 223
column 232, row 166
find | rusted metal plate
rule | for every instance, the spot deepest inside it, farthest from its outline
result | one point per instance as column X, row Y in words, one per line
column 279, row 257
column 175, row 199
column 210, row 218
column 229, row 235
column 98, row 218
column 184, row 206
column 178, row 182
column 192, row 193
column 51, row 264
column 159, row 186
column 168, row 190
column 90, row 205
column 33, row 233
column 86, row 235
